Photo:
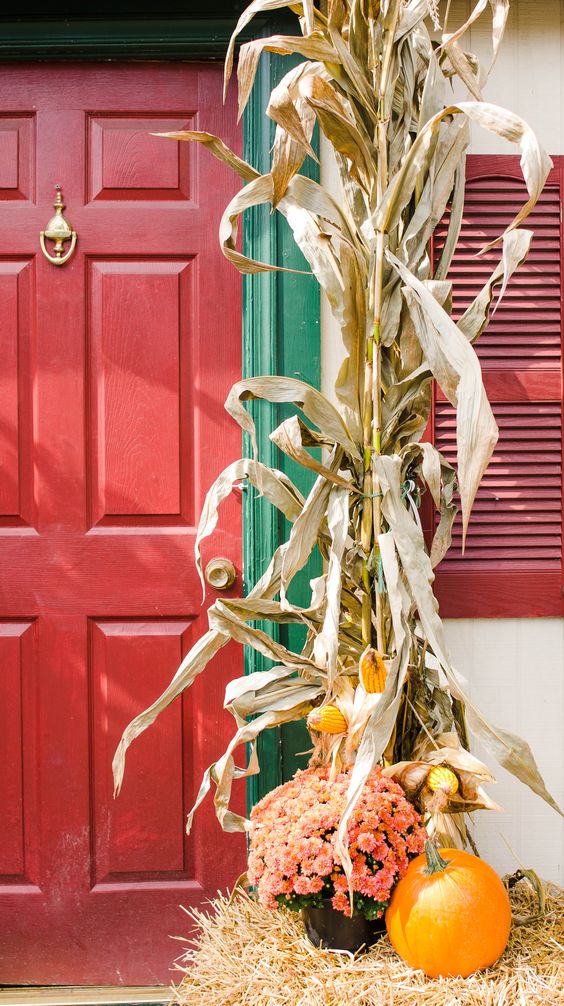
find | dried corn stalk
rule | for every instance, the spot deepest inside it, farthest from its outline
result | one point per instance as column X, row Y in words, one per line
column 382, row 94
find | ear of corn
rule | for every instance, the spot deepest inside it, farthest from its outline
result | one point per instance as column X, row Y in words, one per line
column 442, row 778
column 372, row 671
column 327, row 719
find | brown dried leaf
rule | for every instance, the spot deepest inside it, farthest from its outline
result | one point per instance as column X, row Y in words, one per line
column 276, row 486
column 218, row 148
column 255, row 7
column 289, row 438
column 314, row 47
column 326, row 645
column 510, row 751
column 318, row 409
column 457, row 370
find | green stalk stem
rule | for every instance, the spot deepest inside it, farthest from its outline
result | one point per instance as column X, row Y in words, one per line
column 371, row 524
column 376, row 377
column 366, row 524
column 376, row 369
column 435, row 862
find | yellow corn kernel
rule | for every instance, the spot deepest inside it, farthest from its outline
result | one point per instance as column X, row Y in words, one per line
column 327, row 719
column 442, row 778
column 372, row 671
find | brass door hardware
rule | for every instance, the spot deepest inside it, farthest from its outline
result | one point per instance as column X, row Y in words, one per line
column 220, row 573
column 58, row 230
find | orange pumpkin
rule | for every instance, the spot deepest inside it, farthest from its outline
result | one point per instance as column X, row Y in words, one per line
column 450, row 914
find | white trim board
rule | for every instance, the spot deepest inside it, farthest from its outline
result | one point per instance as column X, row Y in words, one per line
column 155, row 995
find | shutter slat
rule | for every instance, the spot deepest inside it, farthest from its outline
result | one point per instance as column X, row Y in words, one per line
column 525, row 469
column 526, row 516
column 524, row 333
column 512, row 563
column 541, row 559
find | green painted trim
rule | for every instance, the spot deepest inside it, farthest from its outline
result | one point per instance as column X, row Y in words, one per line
column 280, row 336
column 130, row 38
column 260, row 520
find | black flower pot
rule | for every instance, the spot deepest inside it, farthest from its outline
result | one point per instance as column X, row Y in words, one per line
column 336, row 931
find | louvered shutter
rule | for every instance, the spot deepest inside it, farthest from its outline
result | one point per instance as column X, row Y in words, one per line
column 513, row 563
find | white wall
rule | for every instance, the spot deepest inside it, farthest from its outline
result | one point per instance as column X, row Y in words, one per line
column 529, row 71
column 514, row 667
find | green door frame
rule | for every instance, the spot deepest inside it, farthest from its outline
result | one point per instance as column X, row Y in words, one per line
column 281, row 335
column 280, row 310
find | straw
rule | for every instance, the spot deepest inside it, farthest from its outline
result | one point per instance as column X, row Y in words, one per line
column 241, row 954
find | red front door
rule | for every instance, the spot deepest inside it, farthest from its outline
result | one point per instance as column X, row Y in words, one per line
column 113, row 371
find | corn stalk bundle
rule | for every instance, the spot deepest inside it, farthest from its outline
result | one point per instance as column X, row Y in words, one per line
column 374, row 675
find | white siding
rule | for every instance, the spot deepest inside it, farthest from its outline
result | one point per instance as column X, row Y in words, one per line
column 514, row 667
column 528, row 74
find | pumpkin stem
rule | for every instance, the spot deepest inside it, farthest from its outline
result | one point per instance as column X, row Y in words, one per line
column 435, row 862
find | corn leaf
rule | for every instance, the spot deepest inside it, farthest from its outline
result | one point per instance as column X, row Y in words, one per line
column 193, row 664
column 457, row 370
column 305, row 532
column 274, row 485
column 313, row 47
column 380, row 90
column 381, row 722
column 535, row 163
column 289, row 438
column 326, row 645
column 218, row 148
column 513, row 753
column 256, row 7
column 516, row 246
column 315, row 406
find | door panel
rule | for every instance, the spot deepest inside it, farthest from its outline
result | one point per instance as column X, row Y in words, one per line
column 17, row 284
column 115, row 368
column 140, row 457
column 125, row 161
column 18, row 789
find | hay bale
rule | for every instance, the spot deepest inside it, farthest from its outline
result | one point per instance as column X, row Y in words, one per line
column 244, row 955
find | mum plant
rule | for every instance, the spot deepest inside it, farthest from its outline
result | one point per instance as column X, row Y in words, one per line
column 294, row 861
column 374, row 675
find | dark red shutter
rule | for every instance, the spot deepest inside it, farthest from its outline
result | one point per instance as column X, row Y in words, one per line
column 513, row 563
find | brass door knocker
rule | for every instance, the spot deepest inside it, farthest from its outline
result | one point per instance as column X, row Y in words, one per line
column 59, row 231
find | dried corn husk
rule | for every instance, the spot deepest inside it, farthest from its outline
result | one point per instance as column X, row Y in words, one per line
column 379, row 89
